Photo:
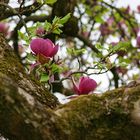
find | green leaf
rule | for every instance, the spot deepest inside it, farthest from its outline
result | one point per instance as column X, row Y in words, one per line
column 31, row 57
column 88, row 10
column 23, row 36
column 99, row 19
column 123, row 64
column 50, row 1
column 99, row 46
column 47, row 25
column 56, row 68
column 57, row 31
column 120, row 46
column 44, row 77
column 40, row 1
column 97, row 8
column 125, row 61
column 75, row 52
column 65, row 18
column 56, row 20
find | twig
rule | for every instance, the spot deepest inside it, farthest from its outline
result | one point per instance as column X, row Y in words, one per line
column 16, row 13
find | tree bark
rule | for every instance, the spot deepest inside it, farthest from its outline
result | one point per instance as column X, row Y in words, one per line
column 29, row 111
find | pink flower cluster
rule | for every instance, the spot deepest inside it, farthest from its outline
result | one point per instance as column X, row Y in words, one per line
column 85, row 86
column 44, row 47
column 106, row 28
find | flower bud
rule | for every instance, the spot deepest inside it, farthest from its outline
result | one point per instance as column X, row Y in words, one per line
column 85, row 86
column 40, row 31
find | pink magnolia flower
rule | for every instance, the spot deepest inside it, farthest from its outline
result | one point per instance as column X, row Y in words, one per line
column 138, row 41
column 40, row 31
column 138, row 8
column 122, row 25
column 44, row 47
column 110, row 21
column 4, row 28
column 104, row 28
column 127, row 10
column 85, row 86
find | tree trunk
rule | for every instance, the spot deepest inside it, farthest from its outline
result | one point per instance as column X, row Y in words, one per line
column 28, row 111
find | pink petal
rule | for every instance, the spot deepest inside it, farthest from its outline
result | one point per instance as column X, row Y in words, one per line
column 34, row 65
column 138, row 8
column 54, row 51
column 49, row 42
column 71, row 97
column 46, row 48
column 87, row 85
column 36, row 45
column 138, row 40
column 82, row 79
column 76, row 89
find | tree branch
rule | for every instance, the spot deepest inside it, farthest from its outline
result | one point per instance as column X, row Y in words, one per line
column 28, row 110
column 22, row 11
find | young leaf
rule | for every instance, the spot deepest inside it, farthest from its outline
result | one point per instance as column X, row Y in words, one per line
column 65, row 18
column 47, row 26
column 57, row 31
column 44, row 77
column 99, row 46
column 50, row 1
column 120, row 46
column 40, row 1
column 31, row 57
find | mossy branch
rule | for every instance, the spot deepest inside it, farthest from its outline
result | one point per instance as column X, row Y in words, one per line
column 29, row 111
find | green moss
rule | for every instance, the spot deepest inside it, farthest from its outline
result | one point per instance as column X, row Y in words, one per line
column 106, row 117
column 11, row 66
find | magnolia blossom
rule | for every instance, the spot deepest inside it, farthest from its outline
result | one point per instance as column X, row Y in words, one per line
column 85, row 86
column 122, row 25
column 4, row 28
column 104, row 28
column 138, row 8
column 110, row 21
column 44, row 47
column 40, row 31
column 138, row 41
column 128, row 9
